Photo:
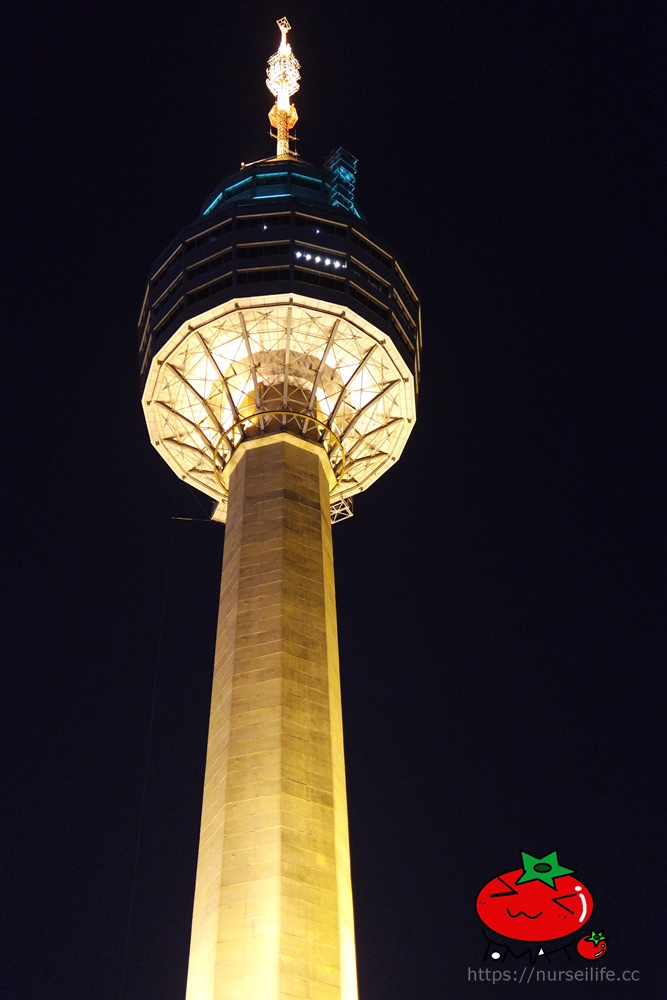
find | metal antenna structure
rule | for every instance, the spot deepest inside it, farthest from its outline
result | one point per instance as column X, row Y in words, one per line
column 280, row 345
column 282, row 79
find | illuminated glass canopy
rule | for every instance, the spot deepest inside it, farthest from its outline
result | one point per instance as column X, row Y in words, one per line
column 273, row 363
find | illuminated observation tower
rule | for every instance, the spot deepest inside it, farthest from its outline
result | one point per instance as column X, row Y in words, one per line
column 280, row 347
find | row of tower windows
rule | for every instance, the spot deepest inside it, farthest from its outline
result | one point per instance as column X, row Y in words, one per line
column 204, row 291
column 368, row 300
column 210, row 234
column 403, row 308
column 406, row 284
column 314, row 263
column 320, row 278
column 371, row 278
column 320, row 225
column 372, row 248
column 262, row 249
column 270, row 274
column 261, row 221
column 257, row 274
column 305, row 252
column 208, row 264
column 302, row 250
column 265, row 222
column 410, row 344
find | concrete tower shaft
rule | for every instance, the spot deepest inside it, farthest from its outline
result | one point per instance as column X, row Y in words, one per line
column 273, row 902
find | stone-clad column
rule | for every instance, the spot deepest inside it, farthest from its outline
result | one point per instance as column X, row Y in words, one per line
column 273, row 901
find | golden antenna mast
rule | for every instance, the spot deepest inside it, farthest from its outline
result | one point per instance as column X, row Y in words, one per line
column 282, row 79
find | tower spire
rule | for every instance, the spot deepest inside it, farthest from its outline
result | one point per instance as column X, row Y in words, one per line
column 282, row 79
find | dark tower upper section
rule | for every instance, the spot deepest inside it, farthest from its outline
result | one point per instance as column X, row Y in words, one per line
column 278, row 226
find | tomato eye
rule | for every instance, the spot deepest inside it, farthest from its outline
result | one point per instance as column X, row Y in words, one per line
column 570, row 895
column 511, row 891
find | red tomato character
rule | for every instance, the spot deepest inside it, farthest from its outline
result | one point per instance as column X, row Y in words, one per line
column 540, row 902
column 592, row 947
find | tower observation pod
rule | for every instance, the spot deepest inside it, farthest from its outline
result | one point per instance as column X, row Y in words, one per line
column 280, row 350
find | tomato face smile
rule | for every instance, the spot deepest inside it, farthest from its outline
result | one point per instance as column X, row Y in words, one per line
column 540, row 902
column 530, row 916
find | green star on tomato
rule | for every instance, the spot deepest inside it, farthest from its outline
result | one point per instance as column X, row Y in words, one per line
column 545, row 869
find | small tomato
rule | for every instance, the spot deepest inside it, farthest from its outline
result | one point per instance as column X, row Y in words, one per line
column 592, row 947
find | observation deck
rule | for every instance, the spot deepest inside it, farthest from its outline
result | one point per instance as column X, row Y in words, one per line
column 278, row 310
column 274, row 228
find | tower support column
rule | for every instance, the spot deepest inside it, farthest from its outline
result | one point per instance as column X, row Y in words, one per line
column 273, row 900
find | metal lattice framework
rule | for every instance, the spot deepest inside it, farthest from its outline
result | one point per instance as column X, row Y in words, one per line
column 270, row 364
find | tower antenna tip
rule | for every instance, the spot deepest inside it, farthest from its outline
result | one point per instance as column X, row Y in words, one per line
column 282, row 79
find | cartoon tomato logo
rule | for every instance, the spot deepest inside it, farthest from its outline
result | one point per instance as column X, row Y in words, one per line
column 592, row 947
column 540, row 902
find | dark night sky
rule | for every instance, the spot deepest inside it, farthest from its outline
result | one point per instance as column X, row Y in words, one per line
column 499, row 592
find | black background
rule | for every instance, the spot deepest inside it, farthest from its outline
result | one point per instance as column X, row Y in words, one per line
column 499, row 592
